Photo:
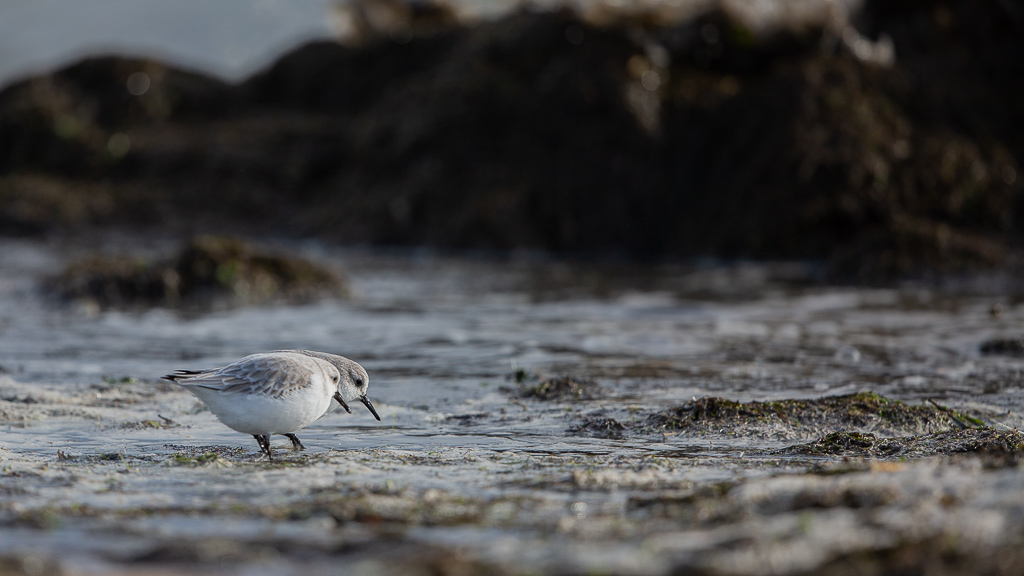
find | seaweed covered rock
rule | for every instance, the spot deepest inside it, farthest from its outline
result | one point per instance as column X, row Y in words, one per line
column 988, row 441
column 32, row 205
column 561, row 388
column 863, row 411
column 63, row 122
column 218, row 264
column 209, row 269
column 112, row 281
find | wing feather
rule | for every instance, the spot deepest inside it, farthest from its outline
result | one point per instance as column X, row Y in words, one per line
column 272, row 375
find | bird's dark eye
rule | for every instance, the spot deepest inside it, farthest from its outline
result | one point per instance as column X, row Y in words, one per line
column 335, row 378
column 359, row 382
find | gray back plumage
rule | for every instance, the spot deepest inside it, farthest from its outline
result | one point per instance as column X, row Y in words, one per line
column 339, row 362
column 344, row 365
column 270, row 374
column 257, row 374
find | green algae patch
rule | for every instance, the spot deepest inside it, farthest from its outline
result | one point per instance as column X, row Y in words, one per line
column 208, row 269
column 44, row 518
column 863, row 411
column 187, row 454
column 988, row 441
column 199, row 460
column 148, row 424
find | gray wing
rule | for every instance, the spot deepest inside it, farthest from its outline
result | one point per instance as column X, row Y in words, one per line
column 263, row 375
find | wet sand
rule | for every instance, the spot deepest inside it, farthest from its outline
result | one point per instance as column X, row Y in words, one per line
column 105, row 469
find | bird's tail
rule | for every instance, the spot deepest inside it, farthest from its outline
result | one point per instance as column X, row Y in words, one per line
column 182, row 375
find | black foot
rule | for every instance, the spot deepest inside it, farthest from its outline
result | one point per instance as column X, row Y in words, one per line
column 296, row 443
column 264, row 442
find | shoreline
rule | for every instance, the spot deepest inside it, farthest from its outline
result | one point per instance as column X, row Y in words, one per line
column 498, row 451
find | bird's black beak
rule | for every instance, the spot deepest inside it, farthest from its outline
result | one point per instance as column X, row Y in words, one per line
column 337, row 396
column 366, row 402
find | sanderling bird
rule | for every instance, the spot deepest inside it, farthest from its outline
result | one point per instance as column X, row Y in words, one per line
column 277, row 392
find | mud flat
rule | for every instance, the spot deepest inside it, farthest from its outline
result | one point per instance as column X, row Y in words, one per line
column 801, row 430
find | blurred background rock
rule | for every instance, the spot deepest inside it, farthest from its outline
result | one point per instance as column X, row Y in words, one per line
column 883, row 138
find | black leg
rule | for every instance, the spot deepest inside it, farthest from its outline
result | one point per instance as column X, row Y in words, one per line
column 264, row 441
column 296, row 443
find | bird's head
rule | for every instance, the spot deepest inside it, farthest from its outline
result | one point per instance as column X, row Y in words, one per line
column 352, row 381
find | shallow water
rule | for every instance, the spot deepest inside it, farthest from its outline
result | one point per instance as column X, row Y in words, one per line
column 95, row 480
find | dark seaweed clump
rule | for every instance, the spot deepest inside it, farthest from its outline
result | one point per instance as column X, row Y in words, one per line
column 972, row 440
column 863, row 410
column 561, row 388
column 207, row 269
column 598, row 427
column 1003, row 347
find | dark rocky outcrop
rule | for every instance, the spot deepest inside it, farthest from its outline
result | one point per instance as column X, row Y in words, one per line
column 539, row 130
column 208, row 270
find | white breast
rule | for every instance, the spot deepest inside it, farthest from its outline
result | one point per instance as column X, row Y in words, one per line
column 273, row 393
